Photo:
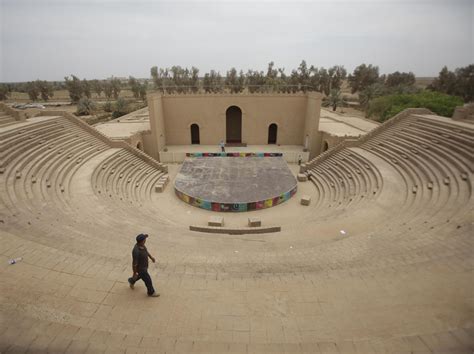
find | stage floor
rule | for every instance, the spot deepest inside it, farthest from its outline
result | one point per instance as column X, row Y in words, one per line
column 233, row 181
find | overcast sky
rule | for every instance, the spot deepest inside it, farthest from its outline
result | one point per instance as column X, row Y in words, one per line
column 49, row 39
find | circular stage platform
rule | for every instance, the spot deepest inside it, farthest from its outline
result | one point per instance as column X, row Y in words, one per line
column 235, row 183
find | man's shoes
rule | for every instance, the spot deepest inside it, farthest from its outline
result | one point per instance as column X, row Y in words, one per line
column 132, row 285
column 155, row 294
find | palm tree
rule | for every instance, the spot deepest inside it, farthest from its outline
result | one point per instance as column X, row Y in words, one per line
column 334, row 99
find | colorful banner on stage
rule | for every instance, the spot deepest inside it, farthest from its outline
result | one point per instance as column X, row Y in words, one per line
column 236, row 207
column 234, row 154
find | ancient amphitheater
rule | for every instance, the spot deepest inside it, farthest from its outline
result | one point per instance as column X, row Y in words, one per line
column 380, row 262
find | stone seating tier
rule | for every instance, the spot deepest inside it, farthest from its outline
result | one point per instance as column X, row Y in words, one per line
column 124, row 176
column 406, row 233
column 343, row 180
column 6, row 119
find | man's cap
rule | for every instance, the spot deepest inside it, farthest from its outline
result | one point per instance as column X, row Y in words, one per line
column 141, row 237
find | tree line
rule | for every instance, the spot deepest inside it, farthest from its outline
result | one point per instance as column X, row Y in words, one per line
column 365, row 80
column 183, row 80
column 76, row 87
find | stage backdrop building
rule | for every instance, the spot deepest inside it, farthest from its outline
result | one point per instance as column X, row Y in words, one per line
column 246, row 119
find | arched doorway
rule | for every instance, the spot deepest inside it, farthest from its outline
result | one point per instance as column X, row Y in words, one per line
column 272, row 133
column 139, row 146
column 195, row 134
column 325, row 146
column 233, row 127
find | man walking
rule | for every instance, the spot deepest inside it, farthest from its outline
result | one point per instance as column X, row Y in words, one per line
column 140, row 257
column 222, row 145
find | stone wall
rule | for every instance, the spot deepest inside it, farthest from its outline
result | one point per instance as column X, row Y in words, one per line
column 18, row 115
column 464, row 113
column 296, row 116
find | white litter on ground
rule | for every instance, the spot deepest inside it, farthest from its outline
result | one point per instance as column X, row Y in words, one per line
column 15, row 260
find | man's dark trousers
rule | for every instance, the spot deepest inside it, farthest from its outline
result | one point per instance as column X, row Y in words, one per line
column 143, row 275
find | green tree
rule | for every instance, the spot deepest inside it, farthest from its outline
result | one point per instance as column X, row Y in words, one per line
column 283, row 81
column 74, row 86
column 362, row 77
column 86, row 88
column 234, row 82
column 120, row 108
column 272, row 81
column 294, row 81
column 218, row 83
column 4, row 92
column 465, row 83
column 154, row 77
column 459, row 83
column 400, row 79
column 161, row 79
column 337, row 74
column 314, row 78
column 255, row 81
column 207, row 83
column 45, row 89
column 178, row 80
column 324, row 80
column 32, row 90
column 369, row 93
column 231, row 79
column 108, row 89
column 445, row 82
column 143, row 89
column 134, row 86
column 97, row 87
column 116, row 87
column 194, row 79
column 241, row 81
column 212, row 82
column 304, row 74
column 384, row 107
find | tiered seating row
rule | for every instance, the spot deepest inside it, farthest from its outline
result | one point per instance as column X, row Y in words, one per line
column 44, row 161
column 6, row 119
column 429, row 163
column 432, row 157
column 125, row 176
column 345, row 179
column 38, row 161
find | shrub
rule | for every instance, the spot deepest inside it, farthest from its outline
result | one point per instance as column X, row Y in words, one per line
column 121, row 108
column 107, row 107
column 85, row 107
column 387, row 106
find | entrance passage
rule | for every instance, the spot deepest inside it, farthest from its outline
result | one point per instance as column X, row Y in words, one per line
column 195, row 134
column 272, row 133
column 233, row 117
column 325, row 146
